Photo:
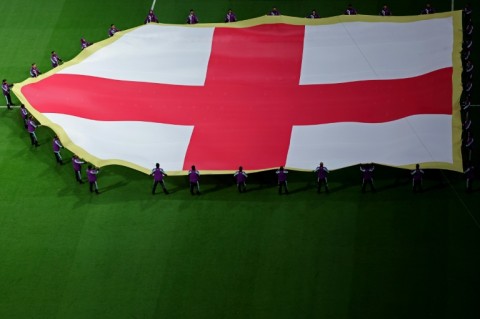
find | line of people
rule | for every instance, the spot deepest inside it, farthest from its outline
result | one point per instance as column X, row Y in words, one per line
column 230, row 16
column 467, row 84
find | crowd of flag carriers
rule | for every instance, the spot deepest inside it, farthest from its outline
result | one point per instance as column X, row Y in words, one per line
column 240, row 176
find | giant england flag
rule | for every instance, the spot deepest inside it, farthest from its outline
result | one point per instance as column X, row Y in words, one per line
column 262, row 93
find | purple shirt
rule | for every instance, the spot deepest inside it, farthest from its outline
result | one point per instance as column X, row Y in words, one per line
column 112, row 31
column 34, row 72
column 350, row 11
column 31, row 126
column 54, row 59
column 84, row 43
column 77, row 164
column 417, row 174
column 322, row 172
column 367, row 173
column 24, row 113
column 241, row 177
column 230, row 17
column 192, row 19
column 385, row 12
column 151, row 17
column 56, row 145
column 282, row 175
column 158, row 174
column 193, row 176
column 5, row 88
column 92, row 174
column 428, row 10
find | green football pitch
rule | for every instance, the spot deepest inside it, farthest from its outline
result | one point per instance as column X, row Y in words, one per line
column 65, row 253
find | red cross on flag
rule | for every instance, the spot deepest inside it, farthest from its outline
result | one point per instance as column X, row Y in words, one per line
column 263, row 93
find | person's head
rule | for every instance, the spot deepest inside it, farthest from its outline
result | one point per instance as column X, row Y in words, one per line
column 55, row 136
column 314, row 12
column 157, row 165
column 385, row 7
column 193, row 167
column 34, row 65
column 428, row 5
column 230, row 11
column 240, row 168
column 281, row 168
column 321, row 164
column 150, row 12
column 192, row 12
column 4, row 81
column 89, row 166
column 22, row 106
column 417, row 166
column 112, row 26
column 53, row 52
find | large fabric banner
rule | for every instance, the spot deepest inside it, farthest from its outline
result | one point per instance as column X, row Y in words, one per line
column 262, row 93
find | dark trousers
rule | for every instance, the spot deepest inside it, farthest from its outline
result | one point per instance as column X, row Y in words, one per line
column 366, row 182
column 417, row 186
column 93, row 187
column 193, row 186
column 281, row 186
column 58, row 157
column 8, row 98
column 469, row 184
column 242, row 187
column 320, row 182
column 33, row 139
column 155, row 183
column 78, row 176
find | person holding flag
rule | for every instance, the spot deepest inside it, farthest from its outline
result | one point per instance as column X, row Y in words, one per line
column 24, row 114
column 470, row 175
column 192, row 18
column 230, row 17
column 31, row 128
column 92, row 173
column 57, row 145
column 84, row 43
column 313, row 15
column 194, row 177
column 151, row 17
column 158, row 174
column 385, row 12
column 113, row 29
column 350, row 11
column 77, row 168
column 417, row 179
column 274, row 12
column 34, row 71
column 282, row 180
column 241, row 178
column 322, row 173
column 428, row 9
column 55, row 59
column 367, row 176
column 6, row 92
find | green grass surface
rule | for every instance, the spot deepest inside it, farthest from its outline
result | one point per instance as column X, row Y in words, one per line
column 65, row 253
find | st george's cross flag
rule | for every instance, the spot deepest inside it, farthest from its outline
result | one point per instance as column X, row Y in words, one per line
column 263, row 93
